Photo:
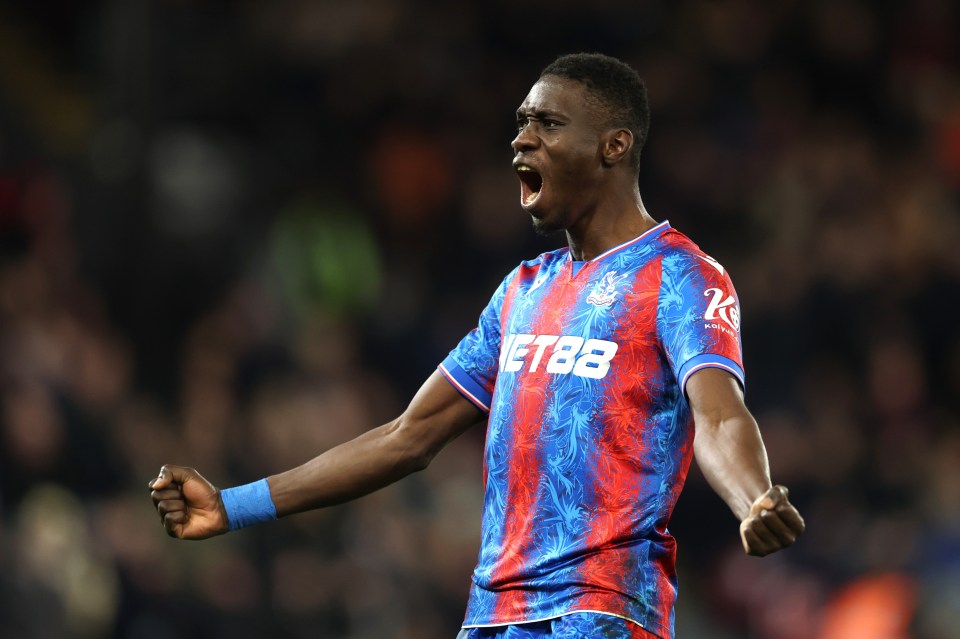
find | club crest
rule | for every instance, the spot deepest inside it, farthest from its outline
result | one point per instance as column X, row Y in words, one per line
column 605, row 292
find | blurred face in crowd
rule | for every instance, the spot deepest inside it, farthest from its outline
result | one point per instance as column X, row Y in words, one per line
column 558, row 153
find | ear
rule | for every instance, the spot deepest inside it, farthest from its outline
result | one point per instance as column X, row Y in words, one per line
column 615, row 146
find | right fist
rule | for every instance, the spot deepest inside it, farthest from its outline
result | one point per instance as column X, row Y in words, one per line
column 189, row 506
column 773, row 523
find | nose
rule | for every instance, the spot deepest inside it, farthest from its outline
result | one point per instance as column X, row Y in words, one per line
column 525, row 140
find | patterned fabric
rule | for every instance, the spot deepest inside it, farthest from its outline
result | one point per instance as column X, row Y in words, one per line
column 582, row 367
column 578, row 625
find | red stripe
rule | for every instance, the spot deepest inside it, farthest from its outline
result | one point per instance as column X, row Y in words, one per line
column 525, row 461
column 623, row 458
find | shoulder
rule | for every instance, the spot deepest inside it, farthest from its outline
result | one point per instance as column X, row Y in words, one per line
column 550, row 257
column 528, row 270
column 540, row 262
column 681, row 256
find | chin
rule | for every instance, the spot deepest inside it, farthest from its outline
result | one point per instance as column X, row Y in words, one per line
column 545, row 227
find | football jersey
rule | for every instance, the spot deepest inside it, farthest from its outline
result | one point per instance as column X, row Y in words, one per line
column 582, row 367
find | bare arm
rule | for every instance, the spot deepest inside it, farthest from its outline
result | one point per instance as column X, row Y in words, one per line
column 733, row 459
column 436, row 415
column 190, row 507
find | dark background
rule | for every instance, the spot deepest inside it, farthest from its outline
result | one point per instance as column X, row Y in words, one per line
column 234, row 234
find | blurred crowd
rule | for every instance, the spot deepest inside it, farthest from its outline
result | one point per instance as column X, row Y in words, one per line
column 233, row 235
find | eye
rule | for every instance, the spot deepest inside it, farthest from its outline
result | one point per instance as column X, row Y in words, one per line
column 522, row 122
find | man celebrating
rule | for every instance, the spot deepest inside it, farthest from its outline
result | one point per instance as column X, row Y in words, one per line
column 601, row 369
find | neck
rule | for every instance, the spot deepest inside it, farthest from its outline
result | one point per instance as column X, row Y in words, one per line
column 608, row 227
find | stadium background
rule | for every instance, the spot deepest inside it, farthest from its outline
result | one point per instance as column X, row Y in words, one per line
column 233, row 234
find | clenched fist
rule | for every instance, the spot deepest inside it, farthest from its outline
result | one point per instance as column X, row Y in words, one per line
column 189, row 506
column 773, row 523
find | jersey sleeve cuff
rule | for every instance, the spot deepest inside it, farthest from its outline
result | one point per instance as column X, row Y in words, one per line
column 709, row 360
column 470, row 389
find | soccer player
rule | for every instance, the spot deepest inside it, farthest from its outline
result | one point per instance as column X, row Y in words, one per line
column 600, row 370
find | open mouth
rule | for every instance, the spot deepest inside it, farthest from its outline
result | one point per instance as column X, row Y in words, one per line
column 531, row 183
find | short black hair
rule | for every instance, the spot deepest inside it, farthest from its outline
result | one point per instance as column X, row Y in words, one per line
column 621, row 94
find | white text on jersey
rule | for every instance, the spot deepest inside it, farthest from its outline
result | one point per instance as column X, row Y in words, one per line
column 719, row 307
column 567, row 354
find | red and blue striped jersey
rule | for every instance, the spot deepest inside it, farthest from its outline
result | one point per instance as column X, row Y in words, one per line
column 582, row 367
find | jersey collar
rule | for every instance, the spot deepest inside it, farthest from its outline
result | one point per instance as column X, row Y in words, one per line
column 646, row 235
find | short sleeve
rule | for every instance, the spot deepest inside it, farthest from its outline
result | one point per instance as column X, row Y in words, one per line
column 698, row 316
column 472, row 366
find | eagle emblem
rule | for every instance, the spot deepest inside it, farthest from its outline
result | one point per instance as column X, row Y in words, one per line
column 605, row 292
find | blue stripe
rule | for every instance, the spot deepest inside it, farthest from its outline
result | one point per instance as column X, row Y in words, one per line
column 455, row 372
column 710, row 360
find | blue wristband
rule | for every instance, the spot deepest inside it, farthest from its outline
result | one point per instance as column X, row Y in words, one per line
column 248, row 504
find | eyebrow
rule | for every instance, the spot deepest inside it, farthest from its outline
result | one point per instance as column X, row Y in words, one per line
column 537, row 114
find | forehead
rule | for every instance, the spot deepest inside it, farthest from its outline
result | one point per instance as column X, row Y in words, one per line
column 559, row 96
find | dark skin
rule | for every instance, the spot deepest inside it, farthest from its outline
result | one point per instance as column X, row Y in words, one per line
column 588, row 188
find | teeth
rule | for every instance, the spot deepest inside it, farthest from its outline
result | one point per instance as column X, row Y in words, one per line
column 528, row 183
